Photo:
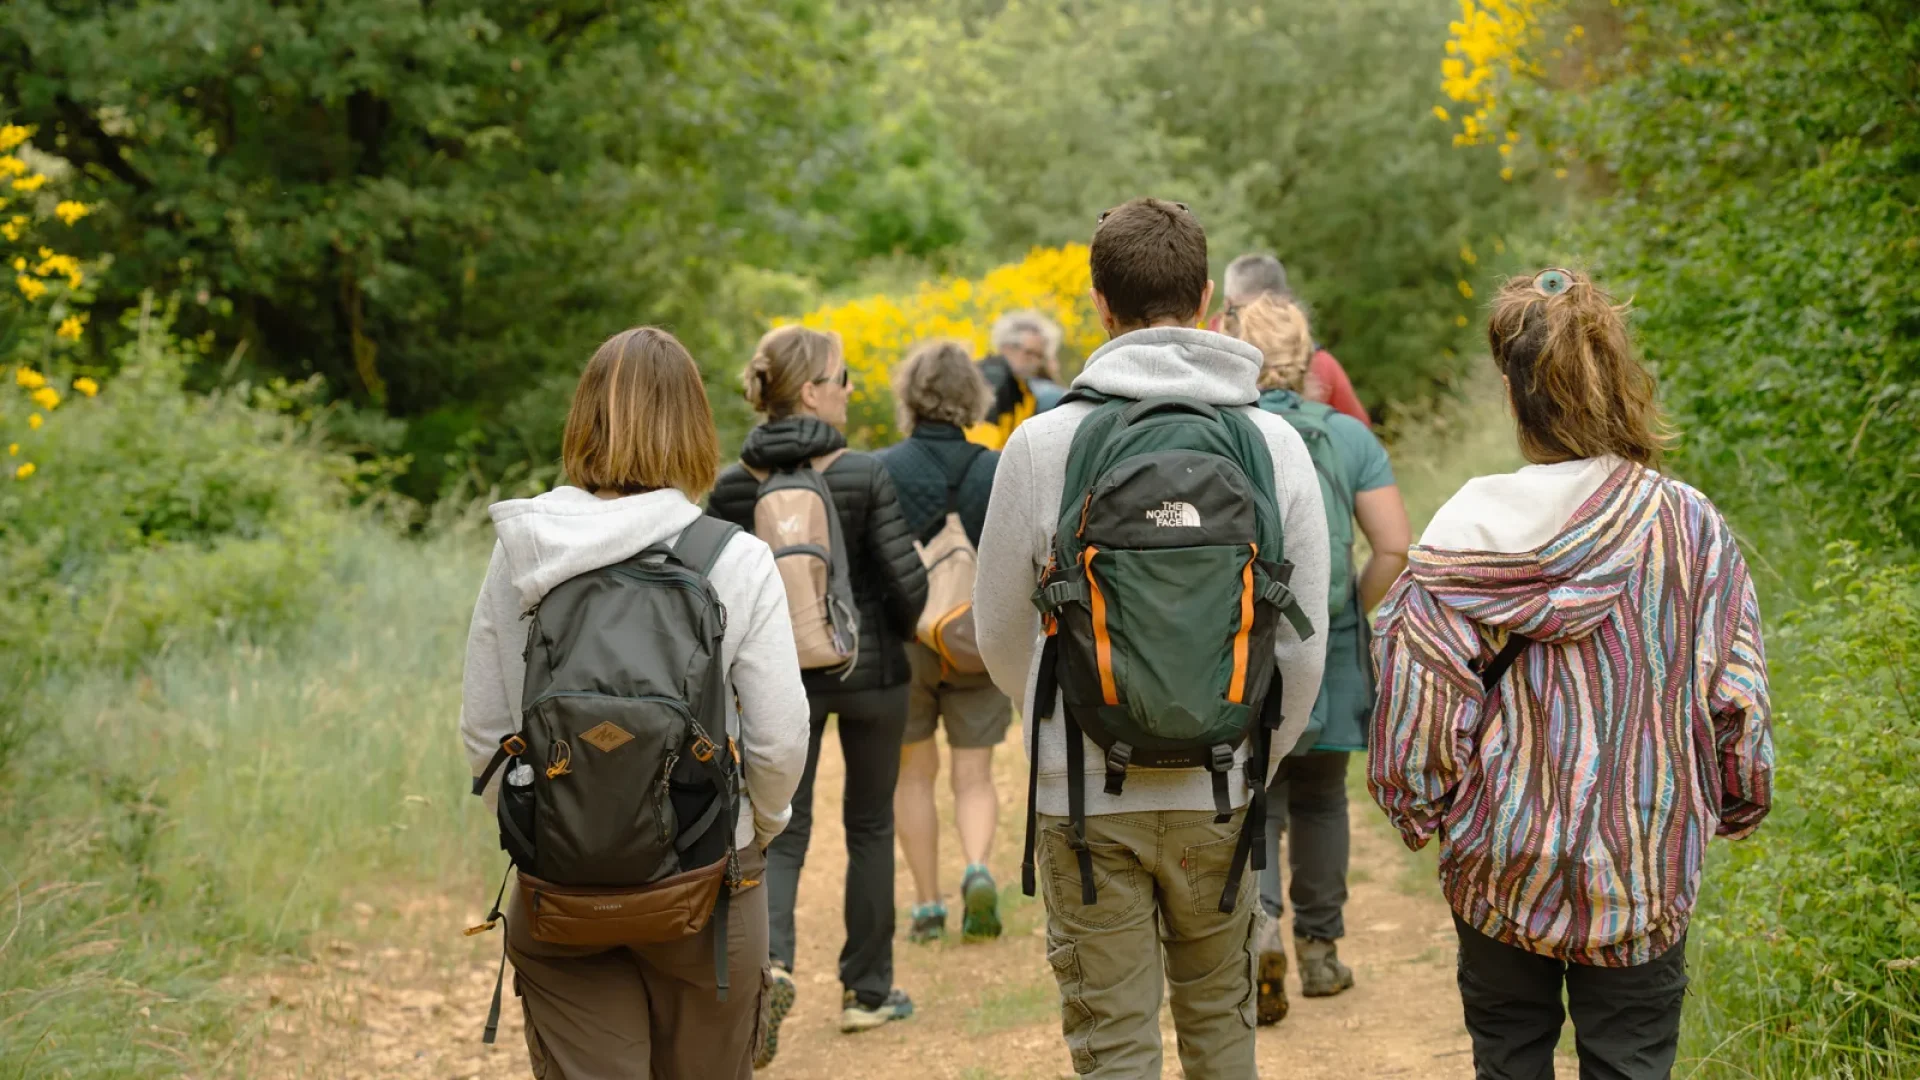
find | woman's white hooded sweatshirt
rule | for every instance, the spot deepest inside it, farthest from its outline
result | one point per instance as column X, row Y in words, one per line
column 545, row 540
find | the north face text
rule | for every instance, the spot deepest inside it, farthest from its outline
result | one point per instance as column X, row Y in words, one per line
column 1175, row 515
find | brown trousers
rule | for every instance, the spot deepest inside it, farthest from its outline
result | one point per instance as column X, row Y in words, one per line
column 645, row 1012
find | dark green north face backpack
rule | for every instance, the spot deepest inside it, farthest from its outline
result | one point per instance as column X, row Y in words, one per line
column 1162, row 600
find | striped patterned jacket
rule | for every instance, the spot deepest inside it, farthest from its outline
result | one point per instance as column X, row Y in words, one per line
column 1575, row 800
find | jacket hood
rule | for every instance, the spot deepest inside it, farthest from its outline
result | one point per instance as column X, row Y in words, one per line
column 1175, row 361
column 567, row 531
column 780, row 444
column 1562, row 588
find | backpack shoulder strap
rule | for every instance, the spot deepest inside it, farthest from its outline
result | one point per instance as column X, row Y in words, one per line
column 1092, row 397
column 700, row 543
column 825, row 461
column 1491, row 674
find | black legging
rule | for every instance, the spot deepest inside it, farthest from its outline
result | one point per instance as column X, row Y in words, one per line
column 871, row 724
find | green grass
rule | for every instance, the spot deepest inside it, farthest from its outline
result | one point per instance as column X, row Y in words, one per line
column 1016, row 1007
column 222, row 807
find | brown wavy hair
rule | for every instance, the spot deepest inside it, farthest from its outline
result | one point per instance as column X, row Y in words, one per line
column 1578, row 390
column 939, row 384
column 640, row 420
column 785, row 361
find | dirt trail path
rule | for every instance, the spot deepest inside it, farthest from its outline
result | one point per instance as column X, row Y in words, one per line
column 985, row 1012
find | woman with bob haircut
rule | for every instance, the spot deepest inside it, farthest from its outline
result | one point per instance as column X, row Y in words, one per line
column 639, row 451
column 1573, row 698
column 939, row 392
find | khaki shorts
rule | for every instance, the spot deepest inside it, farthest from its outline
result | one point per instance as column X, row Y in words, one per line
column 976, row 713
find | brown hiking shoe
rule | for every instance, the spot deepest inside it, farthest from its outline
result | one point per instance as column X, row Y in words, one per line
column 1321, row 972
column 1271, row 1007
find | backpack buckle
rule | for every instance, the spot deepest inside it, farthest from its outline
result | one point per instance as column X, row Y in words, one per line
column 1119, row 756
column 1220, row 758
column 514, row 745
column 704, row 749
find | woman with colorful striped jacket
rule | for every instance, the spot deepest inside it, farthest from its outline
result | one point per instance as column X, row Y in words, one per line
column 1575, row 790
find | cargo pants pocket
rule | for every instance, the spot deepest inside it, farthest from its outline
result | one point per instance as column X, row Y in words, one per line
column 1076, row 1019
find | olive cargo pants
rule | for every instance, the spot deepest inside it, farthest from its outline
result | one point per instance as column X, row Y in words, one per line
column 1159, row 875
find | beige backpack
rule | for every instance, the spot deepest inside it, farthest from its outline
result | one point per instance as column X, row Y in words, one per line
column 795, row 515
column 946, row 623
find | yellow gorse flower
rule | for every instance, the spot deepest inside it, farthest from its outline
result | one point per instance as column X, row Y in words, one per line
column 24, row 471
column 12, row 135
column 877, row 331
column 69, row 211
column 71, row 328
column 12, row 166
column 62, row 265
column 47, row 398
column 1488, row 44
column 30, row 183
column 35, row 421
column 30, row 288
column 28, row 378
column 13, row 449
column 86, row 386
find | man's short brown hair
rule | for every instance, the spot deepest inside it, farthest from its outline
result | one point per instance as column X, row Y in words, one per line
column 640, row 419
column 1150, row 261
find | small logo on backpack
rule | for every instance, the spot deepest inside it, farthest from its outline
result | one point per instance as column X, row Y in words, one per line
column 791, row 526
column 608, row 736
column 1175, row 515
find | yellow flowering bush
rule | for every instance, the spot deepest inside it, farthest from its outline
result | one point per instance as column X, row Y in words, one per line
column 39, row 273
column 878, row 330
column 1488, row 48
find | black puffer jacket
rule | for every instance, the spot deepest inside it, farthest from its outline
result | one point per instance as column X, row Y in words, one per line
column 936, row 459
column 889, row 584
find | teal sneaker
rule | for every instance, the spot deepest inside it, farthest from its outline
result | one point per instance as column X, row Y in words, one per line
column 928, row 923
column 982, row 898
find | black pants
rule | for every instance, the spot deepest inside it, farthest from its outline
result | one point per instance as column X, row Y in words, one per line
column 871, row 724
column 1626, row 1021
column 1308, row 804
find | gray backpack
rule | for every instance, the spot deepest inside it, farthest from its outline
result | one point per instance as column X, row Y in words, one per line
column 622, row 786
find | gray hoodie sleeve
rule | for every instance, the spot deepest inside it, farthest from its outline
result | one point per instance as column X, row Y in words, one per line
column 1012, row 552
column 489, row 696
column 764, row 668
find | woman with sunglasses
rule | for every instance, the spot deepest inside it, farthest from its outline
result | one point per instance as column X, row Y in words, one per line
column 1573, row 698
column 798, row 382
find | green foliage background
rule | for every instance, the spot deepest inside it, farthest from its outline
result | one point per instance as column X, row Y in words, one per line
column 354, row 253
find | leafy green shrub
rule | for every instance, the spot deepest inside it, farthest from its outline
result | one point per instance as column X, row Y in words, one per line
column 1808, row 944
column 158, row 516
column 1759, row 167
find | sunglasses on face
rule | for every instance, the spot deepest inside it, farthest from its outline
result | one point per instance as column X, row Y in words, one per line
column 843, row 380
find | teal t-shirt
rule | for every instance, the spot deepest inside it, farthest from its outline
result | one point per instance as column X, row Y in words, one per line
column 1346, row 690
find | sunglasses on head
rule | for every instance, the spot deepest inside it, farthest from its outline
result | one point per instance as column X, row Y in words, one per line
column 1552, row 281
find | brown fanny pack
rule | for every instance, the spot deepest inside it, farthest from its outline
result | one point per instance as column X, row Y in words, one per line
column 668, row 910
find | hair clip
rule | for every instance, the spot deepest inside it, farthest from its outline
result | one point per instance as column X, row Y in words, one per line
column 1552, row 282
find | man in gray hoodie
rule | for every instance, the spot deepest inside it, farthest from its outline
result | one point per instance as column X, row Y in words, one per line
column 1160, row 859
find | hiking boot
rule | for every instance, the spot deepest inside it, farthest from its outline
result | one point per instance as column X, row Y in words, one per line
column 981, row 922
column 1321, row 972
column 780, row 995
column 855, row 1017
column 1271, row 1007
column 928, row 923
